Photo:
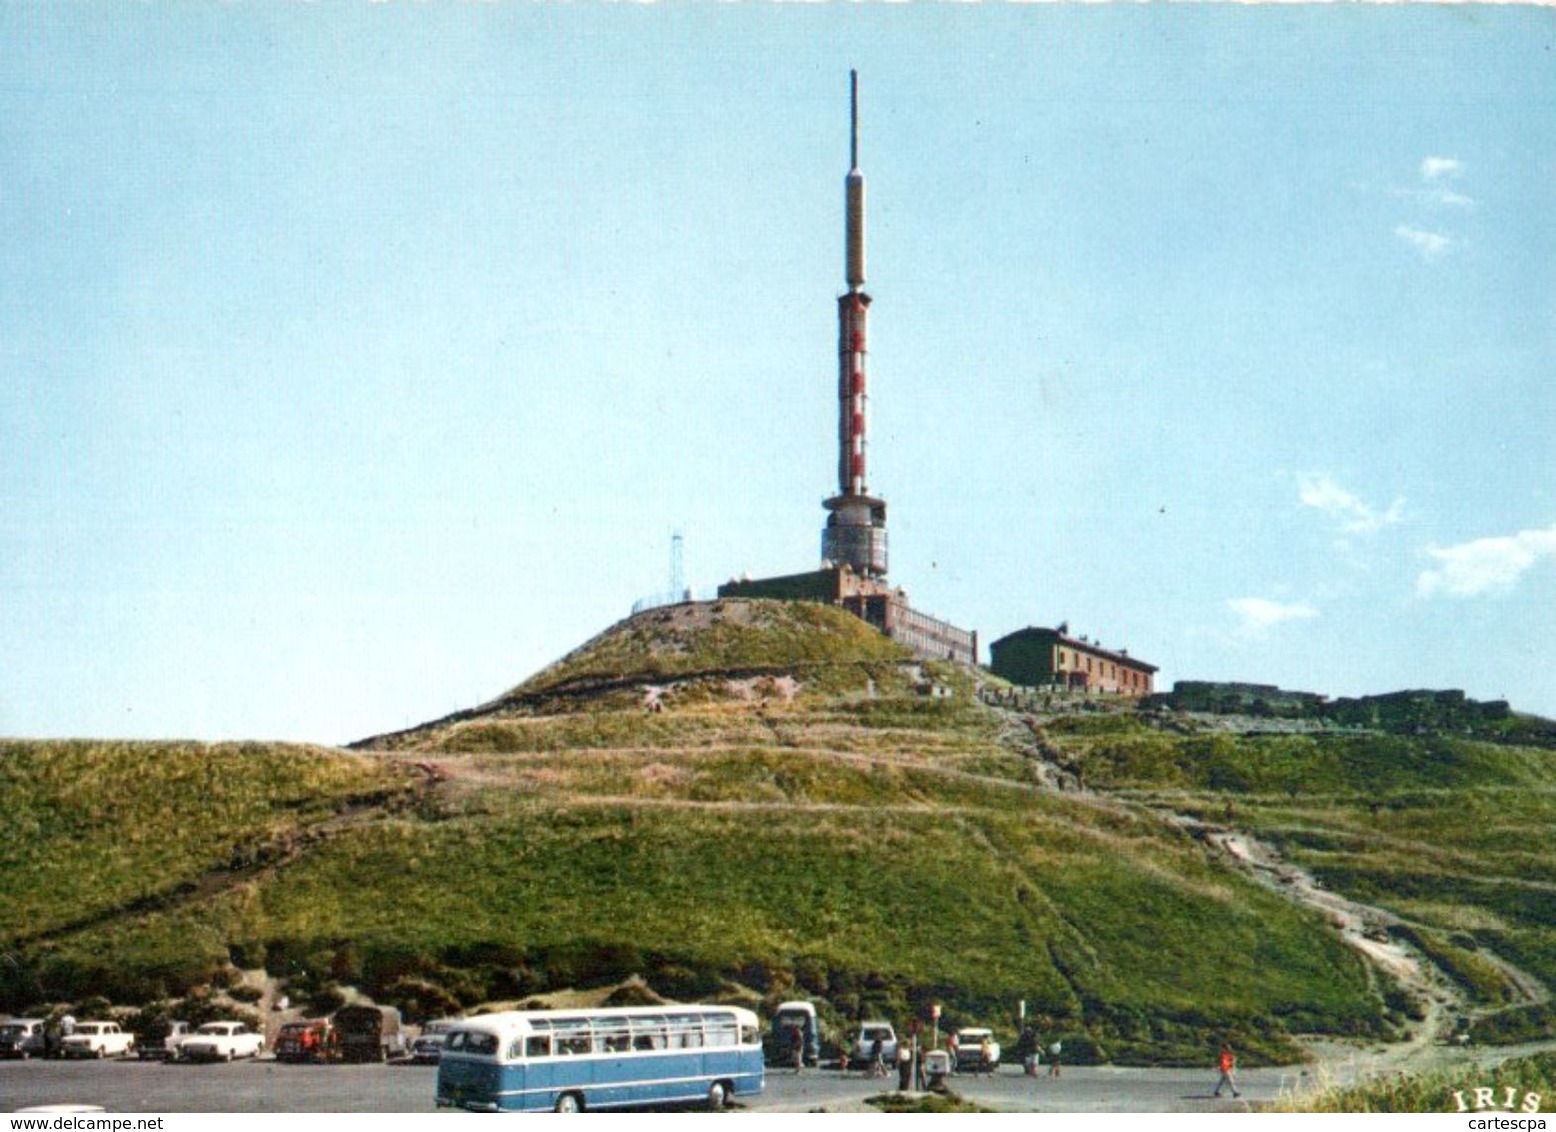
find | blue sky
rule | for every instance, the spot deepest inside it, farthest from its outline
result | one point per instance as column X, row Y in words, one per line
column 357, row 361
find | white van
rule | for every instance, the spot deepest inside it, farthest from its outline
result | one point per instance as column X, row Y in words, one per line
column 869, row 1034
column 795, row 1021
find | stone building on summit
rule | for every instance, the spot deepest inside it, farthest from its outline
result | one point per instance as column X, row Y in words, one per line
column 1040, row 658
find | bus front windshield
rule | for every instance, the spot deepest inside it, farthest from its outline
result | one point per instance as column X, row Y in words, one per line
column 472, row 1042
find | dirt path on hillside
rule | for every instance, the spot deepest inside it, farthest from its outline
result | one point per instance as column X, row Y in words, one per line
column 1362, row 927
column 1432, row 1043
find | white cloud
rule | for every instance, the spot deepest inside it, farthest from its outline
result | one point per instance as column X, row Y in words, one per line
column 1485, row 565
column 1438, row 196
column 1449, row 199
column 1257, row 615
column 1355, row 515
column 1429, row 244
column 1432, row 192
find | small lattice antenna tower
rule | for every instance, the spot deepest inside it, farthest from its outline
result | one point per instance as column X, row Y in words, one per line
column 677, row 573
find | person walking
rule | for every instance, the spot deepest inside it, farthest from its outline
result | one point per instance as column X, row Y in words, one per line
column 877, row 1062
column 797, row 1041
column 1054, row 1051
column 1227, row 1062
column 952, row 1049
column 904, row 1067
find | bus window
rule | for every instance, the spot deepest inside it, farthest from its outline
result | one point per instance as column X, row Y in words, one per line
column 648, row 1033
column 473, row 1041
column 685, row 1031
column 611, row 1035
column 572, row 1037
column 721, row 1030
column 750, row 1035
column 537, row 1045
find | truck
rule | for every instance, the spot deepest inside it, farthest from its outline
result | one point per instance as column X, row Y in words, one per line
column 368, row 1033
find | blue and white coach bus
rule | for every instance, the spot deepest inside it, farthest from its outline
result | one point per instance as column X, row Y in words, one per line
column 569, row 1060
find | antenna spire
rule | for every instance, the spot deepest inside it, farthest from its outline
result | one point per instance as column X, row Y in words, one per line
column 854, row 212
column 853, row 115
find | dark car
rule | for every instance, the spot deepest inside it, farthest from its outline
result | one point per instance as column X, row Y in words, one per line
column 311, row 1039
column 427, row 1049
column 22, row 1037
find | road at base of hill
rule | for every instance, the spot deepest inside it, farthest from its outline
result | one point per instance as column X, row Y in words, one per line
column 265, row 1086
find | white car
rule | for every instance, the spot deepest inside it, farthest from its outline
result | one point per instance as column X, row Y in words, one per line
column 221, row 1041
column 97, row 1039
column 970, row 1050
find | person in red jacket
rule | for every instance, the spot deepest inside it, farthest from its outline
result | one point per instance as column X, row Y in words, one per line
column 1227, row 1063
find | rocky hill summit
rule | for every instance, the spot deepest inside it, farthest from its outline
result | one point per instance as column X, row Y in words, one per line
column 754, row 801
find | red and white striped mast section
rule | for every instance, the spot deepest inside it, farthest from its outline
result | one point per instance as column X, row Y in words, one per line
column 855, row 534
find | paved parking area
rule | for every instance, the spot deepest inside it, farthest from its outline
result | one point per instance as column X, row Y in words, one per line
column 268, row 1086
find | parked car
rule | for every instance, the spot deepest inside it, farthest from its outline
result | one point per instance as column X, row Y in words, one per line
column 22, row 1037
column 163, row 1040
column 310, row 1039
column 869, row 1034
column 222, row 1041
column 97, row 1039
column 428, row 1046
column 795, row 1022
column 369, row 1033
column 970, row 1053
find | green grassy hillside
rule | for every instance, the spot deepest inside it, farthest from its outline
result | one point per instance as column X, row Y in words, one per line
column 105, row 841
column 1448, row 833
column 745, row 800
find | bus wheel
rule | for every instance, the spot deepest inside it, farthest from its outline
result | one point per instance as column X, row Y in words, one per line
column 568, row 1102
column 717, row 1095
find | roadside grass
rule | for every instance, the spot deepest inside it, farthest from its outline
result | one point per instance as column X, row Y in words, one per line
column 924, row 1102
column 1512, row 1085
